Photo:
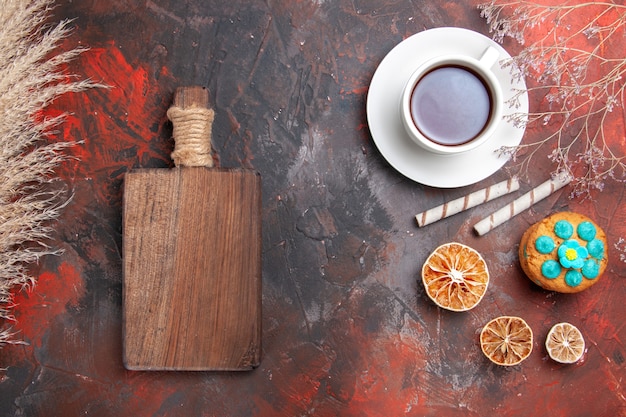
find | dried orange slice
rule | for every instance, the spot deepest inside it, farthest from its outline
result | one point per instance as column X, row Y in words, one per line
column 455, row 277
column 565, row 343
column 506, row 340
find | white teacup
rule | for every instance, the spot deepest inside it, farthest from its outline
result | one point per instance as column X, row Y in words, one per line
column 453, row 103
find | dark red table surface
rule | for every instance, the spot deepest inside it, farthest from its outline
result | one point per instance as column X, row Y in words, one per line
column 347, row 327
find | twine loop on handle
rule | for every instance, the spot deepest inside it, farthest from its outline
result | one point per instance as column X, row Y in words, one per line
column 192, row 135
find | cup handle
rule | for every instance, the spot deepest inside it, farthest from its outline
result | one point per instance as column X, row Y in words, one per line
column 489, row 57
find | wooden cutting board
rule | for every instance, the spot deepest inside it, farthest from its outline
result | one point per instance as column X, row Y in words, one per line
column 192, row 256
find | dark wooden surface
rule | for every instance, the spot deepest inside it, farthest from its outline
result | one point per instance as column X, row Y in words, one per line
column 347, row 328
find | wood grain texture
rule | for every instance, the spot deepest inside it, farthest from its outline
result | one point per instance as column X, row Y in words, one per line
column 192, row 269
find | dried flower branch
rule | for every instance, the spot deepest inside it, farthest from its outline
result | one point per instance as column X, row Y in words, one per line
column 31, row 77
column 576, row 57
column 620, row 246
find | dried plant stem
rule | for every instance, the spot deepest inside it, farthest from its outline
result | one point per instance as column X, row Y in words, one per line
column 31, row 77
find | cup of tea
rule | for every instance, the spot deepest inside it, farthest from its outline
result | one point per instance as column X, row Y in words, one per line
column 453, row 103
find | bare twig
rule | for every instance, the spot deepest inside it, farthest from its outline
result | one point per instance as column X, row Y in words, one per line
column 582, row 83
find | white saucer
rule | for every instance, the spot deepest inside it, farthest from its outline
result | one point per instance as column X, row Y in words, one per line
column 383, row 111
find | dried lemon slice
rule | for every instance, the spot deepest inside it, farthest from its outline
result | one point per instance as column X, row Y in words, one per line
column 455, row 277
column 565, row 343
column 506, row 340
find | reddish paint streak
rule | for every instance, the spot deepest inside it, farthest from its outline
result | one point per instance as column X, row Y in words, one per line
column 358, row 91
column 38, row 306
column 141, row 391
column 121, row 126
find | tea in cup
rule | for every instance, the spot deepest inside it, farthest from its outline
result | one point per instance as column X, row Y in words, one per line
column 453, row 103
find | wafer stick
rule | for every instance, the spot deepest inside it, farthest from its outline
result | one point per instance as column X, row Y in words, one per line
column 522, row 203
column 471, row 200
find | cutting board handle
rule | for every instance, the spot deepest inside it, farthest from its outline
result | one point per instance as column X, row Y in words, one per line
column 192, row 120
